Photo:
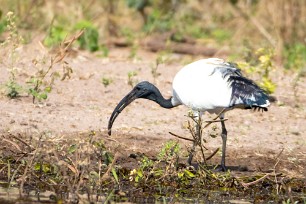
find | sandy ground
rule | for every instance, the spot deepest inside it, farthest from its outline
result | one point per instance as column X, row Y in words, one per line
column 83, row 103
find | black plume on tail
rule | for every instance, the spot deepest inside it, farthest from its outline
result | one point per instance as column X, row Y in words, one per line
column 246, row 92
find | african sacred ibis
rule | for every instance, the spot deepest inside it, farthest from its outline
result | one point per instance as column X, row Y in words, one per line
column 211, row 85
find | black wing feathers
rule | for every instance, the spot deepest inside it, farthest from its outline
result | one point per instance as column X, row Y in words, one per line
column 244, row 91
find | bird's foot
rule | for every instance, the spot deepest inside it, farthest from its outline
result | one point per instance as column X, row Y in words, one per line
column 221, row 168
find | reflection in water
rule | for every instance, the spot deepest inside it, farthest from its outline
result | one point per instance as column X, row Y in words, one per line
column 12, row 195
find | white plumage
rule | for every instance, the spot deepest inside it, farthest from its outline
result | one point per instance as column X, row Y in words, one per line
column 202, row 86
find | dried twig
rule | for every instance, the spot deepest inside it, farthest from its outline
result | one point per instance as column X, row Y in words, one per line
column 274, row 170
column 12, row 143
column 22, row 141
column 213, row 154
column 246, row 185
column 184, row 138
column 29, row 164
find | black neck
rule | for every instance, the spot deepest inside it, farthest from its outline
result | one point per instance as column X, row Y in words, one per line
column 151, row 92
column 165, row 103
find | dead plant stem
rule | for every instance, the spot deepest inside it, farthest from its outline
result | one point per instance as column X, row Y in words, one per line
column 23, row 177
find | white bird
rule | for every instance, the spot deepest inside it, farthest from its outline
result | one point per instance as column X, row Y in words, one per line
column 211, row 85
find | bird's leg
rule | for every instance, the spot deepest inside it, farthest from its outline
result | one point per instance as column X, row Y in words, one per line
column 224, row 138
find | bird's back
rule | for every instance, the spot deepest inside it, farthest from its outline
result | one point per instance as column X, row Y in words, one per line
column 213, row 84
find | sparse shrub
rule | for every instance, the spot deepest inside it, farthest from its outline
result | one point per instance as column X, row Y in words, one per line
column 42, row 82
column 169, row 151
column 140, row 174
column 13, row 89
column 106, row 81
column 131, row 78
column 12, row 43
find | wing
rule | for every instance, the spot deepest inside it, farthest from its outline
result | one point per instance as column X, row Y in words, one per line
column 245, row 92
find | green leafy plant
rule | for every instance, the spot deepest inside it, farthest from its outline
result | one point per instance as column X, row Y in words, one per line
column 131, row 78
column 90, row 39
column 185, row 174
column 56, row 35
column 169, row 151
column 140, row 173
column 161, row 58
column 40, row 85
column 12, row 43
column 106, row 81
column 13, row 89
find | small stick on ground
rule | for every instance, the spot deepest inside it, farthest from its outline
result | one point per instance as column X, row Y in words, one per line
column 22, row 141
column 184, row 138
column 213, row 154
column 246, row 185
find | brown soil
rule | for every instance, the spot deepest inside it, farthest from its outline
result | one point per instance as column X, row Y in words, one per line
column 82, row 104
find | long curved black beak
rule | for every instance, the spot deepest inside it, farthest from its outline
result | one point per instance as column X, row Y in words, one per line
column 129, row 98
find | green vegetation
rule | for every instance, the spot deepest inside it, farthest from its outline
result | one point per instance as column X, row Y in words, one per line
column 55, row 35
column 88, row 170
column 90, row 39
column 39, row 85
column 106, row 81
column 11, row 44
column 131, row 78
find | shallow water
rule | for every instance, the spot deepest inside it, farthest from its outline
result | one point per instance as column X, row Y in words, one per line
column 12, row 195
